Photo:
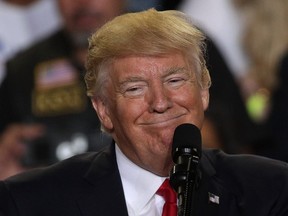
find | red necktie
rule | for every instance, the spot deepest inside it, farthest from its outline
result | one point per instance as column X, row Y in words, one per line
column 170, row 197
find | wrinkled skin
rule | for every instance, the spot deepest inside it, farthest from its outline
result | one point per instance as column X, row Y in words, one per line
column 147, row 98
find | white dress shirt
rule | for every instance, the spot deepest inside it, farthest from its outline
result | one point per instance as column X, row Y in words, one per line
column 139, row 187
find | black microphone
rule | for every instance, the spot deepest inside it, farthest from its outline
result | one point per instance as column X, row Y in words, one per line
column 186, row 153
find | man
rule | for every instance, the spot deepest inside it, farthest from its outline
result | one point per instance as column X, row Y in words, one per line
column 146, row 75
column 42, row 100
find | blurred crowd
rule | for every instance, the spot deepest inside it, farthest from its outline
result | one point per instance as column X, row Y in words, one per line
column 45, row 115
column 24, row 22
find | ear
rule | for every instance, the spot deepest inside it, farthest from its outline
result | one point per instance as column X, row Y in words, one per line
column 103, row 113
column 205, row 98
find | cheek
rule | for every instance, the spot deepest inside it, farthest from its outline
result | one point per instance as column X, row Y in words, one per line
column 130, row 110
column 124, row 118
column 193, row 103
column 190, row 98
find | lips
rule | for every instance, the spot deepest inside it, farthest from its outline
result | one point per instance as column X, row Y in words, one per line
column 160, row 119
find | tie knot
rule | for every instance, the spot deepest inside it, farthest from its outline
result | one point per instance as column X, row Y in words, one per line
column 167, row 192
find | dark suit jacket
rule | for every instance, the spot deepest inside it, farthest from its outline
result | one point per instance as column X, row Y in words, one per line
column 90, row 185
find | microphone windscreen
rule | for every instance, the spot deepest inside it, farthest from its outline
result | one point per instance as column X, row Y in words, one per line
column 187, row 136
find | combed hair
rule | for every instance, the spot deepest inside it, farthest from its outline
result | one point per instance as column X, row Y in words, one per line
column 147, row 33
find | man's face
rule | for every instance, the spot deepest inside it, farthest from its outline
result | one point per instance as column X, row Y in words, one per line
column 88, row 15
column 148, row 97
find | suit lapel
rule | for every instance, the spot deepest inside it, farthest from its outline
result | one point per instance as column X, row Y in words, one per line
column 213, row 197
column 102, row 193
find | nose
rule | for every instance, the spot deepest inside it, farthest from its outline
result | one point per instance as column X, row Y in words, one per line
column 159, row 99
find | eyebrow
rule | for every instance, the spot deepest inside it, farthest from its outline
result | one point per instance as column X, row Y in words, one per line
column 168, row 72
column 130, row 79
column 175, row 70
column 121, row 84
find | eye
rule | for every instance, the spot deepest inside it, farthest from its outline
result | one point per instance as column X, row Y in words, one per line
column 176, row 81
column 134, row 90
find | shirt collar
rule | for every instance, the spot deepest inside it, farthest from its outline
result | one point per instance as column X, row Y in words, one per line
column 139, row 184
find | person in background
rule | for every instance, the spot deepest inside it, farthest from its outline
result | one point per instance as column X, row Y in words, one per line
column 146, row 75
column 140, row 5
column 45, row 114
column 228, row 124
column 23, row 23
column 265, row 42
column 223, row 23
column 20, row 2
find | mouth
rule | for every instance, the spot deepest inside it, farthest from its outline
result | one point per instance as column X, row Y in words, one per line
column 163, row 121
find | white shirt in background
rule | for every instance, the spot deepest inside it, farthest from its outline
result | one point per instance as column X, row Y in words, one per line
column 223, row 23
column 21, row 26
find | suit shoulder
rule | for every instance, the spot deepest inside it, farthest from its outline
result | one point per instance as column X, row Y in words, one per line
column 245, row 162
column 241, row 172
column 258, row 184
column 55, row 183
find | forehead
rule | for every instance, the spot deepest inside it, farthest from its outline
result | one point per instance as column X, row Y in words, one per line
column 142, row 64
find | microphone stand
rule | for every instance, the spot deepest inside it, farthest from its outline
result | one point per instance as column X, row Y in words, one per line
column 183, row 179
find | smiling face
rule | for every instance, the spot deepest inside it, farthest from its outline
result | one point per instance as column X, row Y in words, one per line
column 147, row 98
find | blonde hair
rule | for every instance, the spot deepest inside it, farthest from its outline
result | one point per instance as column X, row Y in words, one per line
column 144, row 33
column 266, row 38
